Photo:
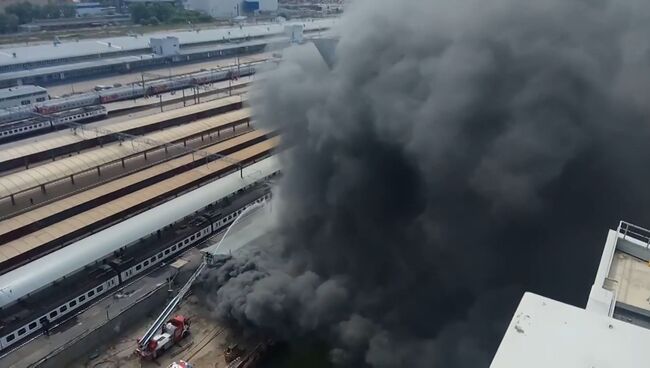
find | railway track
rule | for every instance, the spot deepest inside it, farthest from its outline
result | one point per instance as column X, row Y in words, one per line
column 22, row 156
column 17, row 226
column 194, row 350
column 57, row 235
column 59, row 218
column 31, row 187
column 236, row 89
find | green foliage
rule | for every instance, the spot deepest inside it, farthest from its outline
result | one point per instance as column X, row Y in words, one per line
column 153, row 21
column 25, row 12
column 166, row 13
column 139, row 12
column 8, row 23
column 163, row 11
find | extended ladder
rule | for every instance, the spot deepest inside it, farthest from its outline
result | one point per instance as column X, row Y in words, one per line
column 162, row 318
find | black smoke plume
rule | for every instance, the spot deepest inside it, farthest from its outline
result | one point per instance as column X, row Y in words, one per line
column 459, row 153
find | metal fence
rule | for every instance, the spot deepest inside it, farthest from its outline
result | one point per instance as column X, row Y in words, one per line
column 627, row 230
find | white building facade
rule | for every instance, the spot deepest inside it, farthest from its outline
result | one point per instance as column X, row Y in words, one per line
column 232, row 8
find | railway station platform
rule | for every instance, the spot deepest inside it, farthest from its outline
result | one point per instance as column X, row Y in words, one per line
column 57, row 235
column 17, row 156
column 100, row 322
column 51, row 180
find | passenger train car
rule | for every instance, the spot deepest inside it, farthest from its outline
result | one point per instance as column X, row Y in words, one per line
column 123, row 93
column 38, row 125
column 52, row 305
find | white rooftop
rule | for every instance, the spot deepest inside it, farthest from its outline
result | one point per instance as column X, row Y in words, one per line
column 545, row 333
column 42, row 271
column 20, row 90
column 28, row 54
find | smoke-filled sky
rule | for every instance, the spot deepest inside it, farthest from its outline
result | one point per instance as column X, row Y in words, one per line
column 459, row 153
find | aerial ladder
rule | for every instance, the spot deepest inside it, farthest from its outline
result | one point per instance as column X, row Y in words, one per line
column 153, row 342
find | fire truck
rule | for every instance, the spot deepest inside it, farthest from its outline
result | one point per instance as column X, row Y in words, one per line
column 172, row 332
column 162, row 335
column 181, row 364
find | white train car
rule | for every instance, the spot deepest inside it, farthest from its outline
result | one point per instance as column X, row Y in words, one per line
column 67, row 103
column 39, row 125
column 43, row 273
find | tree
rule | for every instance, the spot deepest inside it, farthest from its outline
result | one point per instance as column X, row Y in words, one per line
column 139, row 13
column 68, row 10
column 163, row 11
column 24, row 11
column 8, row 23
column 50, row 11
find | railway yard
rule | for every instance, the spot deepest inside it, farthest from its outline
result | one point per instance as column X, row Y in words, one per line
column 104, row 220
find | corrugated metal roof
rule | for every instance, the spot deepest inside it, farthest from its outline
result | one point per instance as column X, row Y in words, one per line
column 78, row 199
column 85, row 219
column 62, row 140
column 51, row 171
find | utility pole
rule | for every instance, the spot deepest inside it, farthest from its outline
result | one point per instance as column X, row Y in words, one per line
column 183, row 90
column 144, row 92
column 161, row 106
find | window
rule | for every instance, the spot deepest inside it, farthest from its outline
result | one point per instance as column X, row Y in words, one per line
column 91, row 293
column 54, row 314
column 186, row 241
column 11, row 338
column 99, row 289
column 166, row 251
column 63, row 309
column 146, row 263
column 22, row 331
column 32, row 325
column 40, row 99
column 174, row 248
column 192, row 237
column 73, row 303
column 138, row 267
column 82, row 298
column 160, row 256
column 25, row 102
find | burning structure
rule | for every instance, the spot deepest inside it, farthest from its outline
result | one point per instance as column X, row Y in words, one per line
column 457, row 154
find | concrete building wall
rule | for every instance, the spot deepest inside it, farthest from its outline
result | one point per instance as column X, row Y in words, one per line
column 217, row 8
column 268, row 5
column 165, row 46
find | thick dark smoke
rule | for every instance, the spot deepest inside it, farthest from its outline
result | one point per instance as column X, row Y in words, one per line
column 459, row 153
